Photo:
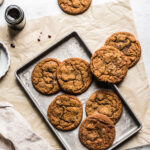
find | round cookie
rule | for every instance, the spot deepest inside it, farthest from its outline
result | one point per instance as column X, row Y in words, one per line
column 74, row 75
column 44, row 77
column 74, row 7
column 126, row 43
column 108, row 64
column 65, row 112
column 104, row 102
column 97, row 132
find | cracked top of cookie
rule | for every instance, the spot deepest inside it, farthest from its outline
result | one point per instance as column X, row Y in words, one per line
column 44, row 76
column 74, row 75
column 126, row 43
column 109, row 64
column 105, row 102
column 74, row 7
column 65, row 112
column 97, row 132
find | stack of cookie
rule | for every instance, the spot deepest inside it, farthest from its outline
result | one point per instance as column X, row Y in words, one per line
column 103, row 109
column 74, row 75
column 111, row 62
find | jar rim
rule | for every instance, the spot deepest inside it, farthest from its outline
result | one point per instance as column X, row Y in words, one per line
column 14, row 21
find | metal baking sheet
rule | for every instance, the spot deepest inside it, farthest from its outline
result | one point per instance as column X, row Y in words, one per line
column 73, row 46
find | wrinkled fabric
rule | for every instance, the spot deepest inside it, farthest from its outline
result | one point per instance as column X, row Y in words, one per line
column 15, row 132
column 94, row 26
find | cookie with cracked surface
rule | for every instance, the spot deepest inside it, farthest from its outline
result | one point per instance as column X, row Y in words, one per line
column 97, row 132
column 44, row 77
column 65, row 112
column 74, row 7
column 74, row 75
column 105, row 102
column 108, row 64
column 127, row 43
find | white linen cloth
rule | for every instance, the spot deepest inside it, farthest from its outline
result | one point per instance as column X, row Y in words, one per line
column 15, row 132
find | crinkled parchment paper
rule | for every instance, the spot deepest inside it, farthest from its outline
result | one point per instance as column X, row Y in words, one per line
column 94, row 26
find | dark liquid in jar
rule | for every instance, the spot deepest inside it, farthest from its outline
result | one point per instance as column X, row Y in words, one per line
column 13, row 14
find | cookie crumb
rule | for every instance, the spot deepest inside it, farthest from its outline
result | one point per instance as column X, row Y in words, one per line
column 40, row 32
column 12, row 45
column 49, row 36
column 38, row 40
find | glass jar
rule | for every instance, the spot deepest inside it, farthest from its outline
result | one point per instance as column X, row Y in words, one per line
column 15, row 18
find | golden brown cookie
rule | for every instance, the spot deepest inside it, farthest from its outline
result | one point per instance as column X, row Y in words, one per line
column 65, row 112
column 126, row 43
column 74, row 7
column 74, row 75
column 104, row 102
column 109, row 64
column 44, row 77
column 97, row 132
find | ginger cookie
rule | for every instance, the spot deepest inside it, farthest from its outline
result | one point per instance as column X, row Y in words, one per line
column 126, row 43
column 74, row 75
column 97, row 132
column 65, row 112
column 74, row 7
column 104, row 102
column 108, row 64
column 44, row 77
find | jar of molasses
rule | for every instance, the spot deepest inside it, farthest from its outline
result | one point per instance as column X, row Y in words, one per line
column 15, row 18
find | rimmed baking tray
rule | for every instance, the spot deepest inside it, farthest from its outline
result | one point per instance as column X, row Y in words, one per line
column 73, row 46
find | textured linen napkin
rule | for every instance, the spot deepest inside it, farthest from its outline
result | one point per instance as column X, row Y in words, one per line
column 15, row 132
column 94, row 26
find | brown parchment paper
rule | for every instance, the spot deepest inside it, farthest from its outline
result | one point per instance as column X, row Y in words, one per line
column 94, row 26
